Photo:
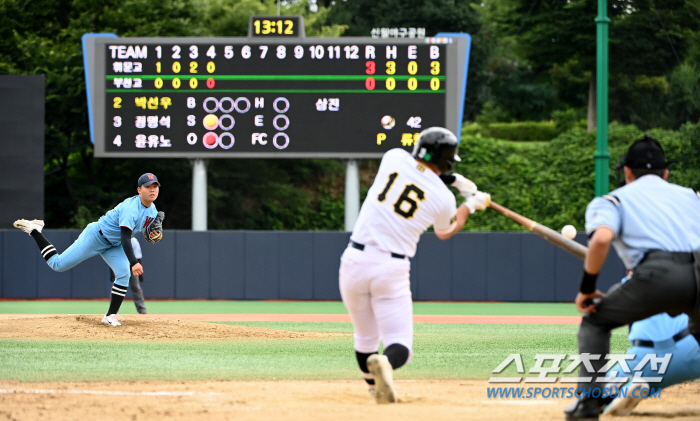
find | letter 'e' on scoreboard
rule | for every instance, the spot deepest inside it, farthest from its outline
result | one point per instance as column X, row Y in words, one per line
column 274, row 93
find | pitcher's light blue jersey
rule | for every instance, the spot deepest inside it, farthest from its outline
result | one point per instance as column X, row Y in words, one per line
column 130, row 213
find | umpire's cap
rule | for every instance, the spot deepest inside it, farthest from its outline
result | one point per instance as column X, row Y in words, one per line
column 148, row 179
column 645, row 153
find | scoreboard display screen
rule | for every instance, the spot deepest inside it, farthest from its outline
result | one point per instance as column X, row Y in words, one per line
column 270, row 96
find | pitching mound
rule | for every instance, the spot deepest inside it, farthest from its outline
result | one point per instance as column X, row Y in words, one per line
column 137, row 328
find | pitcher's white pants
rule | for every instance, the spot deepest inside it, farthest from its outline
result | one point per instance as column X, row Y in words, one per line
column 376, row 290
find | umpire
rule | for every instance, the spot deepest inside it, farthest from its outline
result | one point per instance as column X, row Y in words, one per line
column 655, row 228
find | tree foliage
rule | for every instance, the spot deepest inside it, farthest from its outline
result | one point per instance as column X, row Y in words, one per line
column 557, row 40
column 529, row 60
column 44, row 37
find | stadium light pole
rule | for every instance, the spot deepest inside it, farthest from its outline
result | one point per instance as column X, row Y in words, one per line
column 602, row 156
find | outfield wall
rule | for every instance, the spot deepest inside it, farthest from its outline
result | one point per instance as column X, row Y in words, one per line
column 262, row 265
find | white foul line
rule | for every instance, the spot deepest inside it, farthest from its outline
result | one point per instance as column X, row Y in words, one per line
column 107, row 392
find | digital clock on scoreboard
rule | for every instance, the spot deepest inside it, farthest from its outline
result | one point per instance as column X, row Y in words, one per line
column 272, row 97
column 276, row 26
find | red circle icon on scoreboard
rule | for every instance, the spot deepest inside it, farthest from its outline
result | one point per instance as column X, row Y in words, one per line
column 210, row 139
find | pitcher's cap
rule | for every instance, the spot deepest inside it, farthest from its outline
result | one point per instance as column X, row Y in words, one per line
column 148, row 179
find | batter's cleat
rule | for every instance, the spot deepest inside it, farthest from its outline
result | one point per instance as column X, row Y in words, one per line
column 583, row 410
column 111, row 320
column 29, row 226
column 372, row 394
column 379, row 366
column 628, row 399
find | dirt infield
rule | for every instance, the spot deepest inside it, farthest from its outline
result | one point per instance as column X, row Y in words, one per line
column 338, row 400
column 298, row 400
column 136, row 328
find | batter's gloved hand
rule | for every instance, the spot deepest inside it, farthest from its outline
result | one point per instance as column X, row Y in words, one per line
column 154, row 232
column 478, row 201
column 465, row 186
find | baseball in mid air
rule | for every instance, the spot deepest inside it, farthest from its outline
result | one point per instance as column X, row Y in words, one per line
column 569, row 231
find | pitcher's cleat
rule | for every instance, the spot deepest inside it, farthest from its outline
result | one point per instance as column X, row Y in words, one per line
column 111, row 320
column 628, row 398
column 29, row 226
column 379, row 366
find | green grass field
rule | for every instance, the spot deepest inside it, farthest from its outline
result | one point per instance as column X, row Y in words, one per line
column 442, row 351
column 283, row 307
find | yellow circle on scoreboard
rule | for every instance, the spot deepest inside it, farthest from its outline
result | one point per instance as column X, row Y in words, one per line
column 210, row 122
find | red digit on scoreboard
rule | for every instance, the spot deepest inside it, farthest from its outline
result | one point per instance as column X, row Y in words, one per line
column 210, row 83
column 370, row 67
column 369, row 83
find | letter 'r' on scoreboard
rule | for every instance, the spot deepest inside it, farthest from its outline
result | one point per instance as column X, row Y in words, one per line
column 274, row 93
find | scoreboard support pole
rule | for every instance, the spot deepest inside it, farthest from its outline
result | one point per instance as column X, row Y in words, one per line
column 199, row 194
column 352, row 193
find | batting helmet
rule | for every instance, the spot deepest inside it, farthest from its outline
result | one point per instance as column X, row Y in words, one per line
column 437, row 146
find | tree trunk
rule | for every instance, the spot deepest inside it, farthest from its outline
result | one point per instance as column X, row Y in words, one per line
column 592, row 102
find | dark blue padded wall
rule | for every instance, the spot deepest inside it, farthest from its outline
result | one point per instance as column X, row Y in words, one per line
column 503, row 262
column 469, row 269
column 538, row 269
column 20, row 265
column 328, row 248
column 262, row 265
column 434, row 272
column 483, row 266
column 296, row 265
column 191, row 264
column 227, row 256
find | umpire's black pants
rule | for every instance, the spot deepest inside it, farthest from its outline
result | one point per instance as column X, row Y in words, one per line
column 663, row 282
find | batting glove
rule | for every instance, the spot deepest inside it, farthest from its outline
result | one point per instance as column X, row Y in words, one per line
column 478, row 201
column 465, row 186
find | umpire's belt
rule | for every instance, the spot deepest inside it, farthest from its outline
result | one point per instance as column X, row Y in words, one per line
column 678, row 257
column 105, row 238
column 650, row 344
column 362, row 247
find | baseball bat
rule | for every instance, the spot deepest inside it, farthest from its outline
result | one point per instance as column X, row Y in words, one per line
column 548, row 234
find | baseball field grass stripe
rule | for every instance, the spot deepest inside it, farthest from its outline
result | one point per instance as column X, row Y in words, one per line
column 442, row 351
column 280, row 307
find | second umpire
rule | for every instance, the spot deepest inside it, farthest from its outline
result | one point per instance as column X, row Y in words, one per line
column 654, row 226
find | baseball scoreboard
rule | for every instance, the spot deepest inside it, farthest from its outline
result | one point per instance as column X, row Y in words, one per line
column 274, row 93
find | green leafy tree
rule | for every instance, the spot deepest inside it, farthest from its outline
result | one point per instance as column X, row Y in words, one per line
column 44, row 37
column 647, row 40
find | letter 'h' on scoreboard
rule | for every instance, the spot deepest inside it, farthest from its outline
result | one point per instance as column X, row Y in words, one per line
column 273, row 94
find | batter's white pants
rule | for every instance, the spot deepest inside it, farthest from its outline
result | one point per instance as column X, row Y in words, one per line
column 376, row 290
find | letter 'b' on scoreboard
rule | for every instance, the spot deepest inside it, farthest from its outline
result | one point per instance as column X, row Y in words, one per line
column 272, row 94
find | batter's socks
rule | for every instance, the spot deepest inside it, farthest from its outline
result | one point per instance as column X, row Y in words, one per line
column 118, row 293
column 362, row 362
column 397, row 355
column 47, row 249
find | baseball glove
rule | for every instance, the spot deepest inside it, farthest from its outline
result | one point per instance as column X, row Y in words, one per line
column 154, row 232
